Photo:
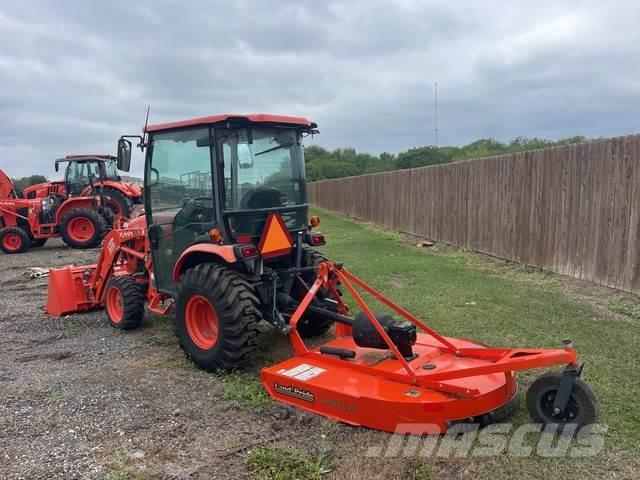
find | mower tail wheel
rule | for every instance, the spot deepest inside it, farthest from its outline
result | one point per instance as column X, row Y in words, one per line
column 82, row 228
column 14, row 240
column 124, row 302
column 312, row 325
column 581, row 409
column 216, row 317
column 118, row 202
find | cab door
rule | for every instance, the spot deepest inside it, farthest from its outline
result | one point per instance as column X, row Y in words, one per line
column 180, row 207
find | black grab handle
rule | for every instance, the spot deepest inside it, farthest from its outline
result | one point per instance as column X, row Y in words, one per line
column 340, row 352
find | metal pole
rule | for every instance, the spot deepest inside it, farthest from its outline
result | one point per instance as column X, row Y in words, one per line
column 435, row 95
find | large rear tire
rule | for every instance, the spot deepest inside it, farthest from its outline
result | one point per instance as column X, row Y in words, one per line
column 14, row 240
column 82, row 228
column 124, row 302
column 313, row 325
column 118, row 202
column 216, row 317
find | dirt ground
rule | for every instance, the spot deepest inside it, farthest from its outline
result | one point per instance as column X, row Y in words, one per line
column 79, row 399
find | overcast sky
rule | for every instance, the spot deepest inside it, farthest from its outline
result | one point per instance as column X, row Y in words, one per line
column 75, row 75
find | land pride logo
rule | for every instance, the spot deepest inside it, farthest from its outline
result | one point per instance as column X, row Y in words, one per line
column 294, row 392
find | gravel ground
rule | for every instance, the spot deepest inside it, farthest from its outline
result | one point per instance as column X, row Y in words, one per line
column 81, row 400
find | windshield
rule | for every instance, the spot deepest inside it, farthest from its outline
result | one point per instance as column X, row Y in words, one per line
column 111, row 171
column 263, row 168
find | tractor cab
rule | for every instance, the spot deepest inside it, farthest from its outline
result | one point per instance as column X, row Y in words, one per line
column 216, row 180
column 83, row 171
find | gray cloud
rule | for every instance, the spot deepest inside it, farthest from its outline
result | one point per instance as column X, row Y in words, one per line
column 75, row 75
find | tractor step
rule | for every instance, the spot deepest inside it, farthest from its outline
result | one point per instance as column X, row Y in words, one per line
column 351, row 391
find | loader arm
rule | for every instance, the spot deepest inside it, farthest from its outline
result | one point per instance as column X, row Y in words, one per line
column 80, row 289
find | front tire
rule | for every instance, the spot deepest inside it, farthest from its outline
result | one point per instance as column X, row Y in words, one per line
column 14, row 240
column 581, row 409
column 216, row 317
column 124, row 302
column 82, row 228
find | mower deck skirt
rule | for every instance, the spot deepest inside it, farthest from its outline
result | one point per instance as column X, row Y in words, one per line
column 361, row 396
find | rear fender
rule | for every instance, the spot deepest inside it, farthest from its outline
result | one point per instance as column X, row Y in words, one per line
column 203, row 253
column 73, row 203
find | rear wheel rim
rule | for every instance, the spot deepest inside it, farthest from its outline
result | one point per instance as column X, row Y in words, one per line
column 545, row 408
column 81, row 229
column 114, row 305
column 201, row 322
column 12, row 241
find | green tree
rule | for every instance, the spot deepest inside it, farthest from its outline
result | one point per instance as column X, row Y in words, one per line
column 24, row 182
column 421, row 157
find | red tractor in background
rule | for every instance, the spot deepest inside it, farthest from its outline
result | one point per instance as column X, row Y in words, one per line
column 119, row 196
column 226, row 242
column 81, row 221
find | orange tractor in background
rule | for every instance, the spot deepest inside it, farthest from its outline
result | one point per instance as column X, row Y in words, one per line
column 226, row 242
column 81, row 221
column 86, row 172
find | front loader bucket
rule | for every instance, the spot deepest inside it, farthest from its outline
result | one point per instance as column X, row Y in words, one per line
column 69, row 290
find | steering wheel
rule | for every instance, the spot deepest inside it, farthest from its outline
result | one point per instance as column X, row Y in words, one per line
column 263, row 197
column 204, row 203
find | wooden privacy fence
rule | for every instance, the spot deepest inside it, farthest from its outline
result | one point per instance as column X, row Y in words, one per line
column 574, row 209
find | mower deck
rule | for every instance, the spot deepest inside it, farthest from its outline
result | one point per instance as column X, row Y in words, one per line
column 354, row 392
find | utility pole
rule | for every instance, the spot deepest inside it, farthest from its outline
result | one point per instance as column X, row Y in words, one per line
column 435, row 103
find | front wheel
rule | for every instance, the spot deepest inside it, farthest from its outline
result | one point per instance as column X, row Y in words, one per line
column 82, row 228
column 124, row 302
column 216, row 317
column 14, row 240
column 581, row 409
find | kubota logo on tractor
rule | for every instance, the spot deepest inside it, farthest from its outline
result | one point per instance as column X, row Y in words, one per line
column 7, row 204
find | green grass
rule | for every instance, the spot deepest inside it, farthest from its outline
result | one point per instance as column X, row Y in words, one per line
column 417, row 469
column 119, row 462
column 245, row 389
column 624, row 307
column 276, row 463
column 507, row 306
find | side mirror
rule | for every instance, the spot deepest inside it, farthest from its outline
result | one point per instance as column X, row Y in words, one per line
column 124, row 155
column 57, row 166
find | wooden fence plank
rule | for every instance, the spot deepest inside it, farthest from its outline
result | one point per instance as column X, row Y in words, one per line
column 574, row 209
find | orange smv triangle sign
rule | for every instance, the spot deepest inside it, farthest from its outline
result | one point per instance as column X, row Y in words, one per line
column 275, row 239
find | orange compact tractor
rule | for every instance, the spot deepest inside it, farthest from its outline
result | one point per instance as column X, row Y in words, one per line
column 86, row 172
column 81, row 221
column 226, row 242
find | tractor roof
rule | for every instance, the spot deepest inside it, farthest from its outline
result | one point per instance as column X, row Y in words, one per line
column 249, row 118
column 96, row 157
